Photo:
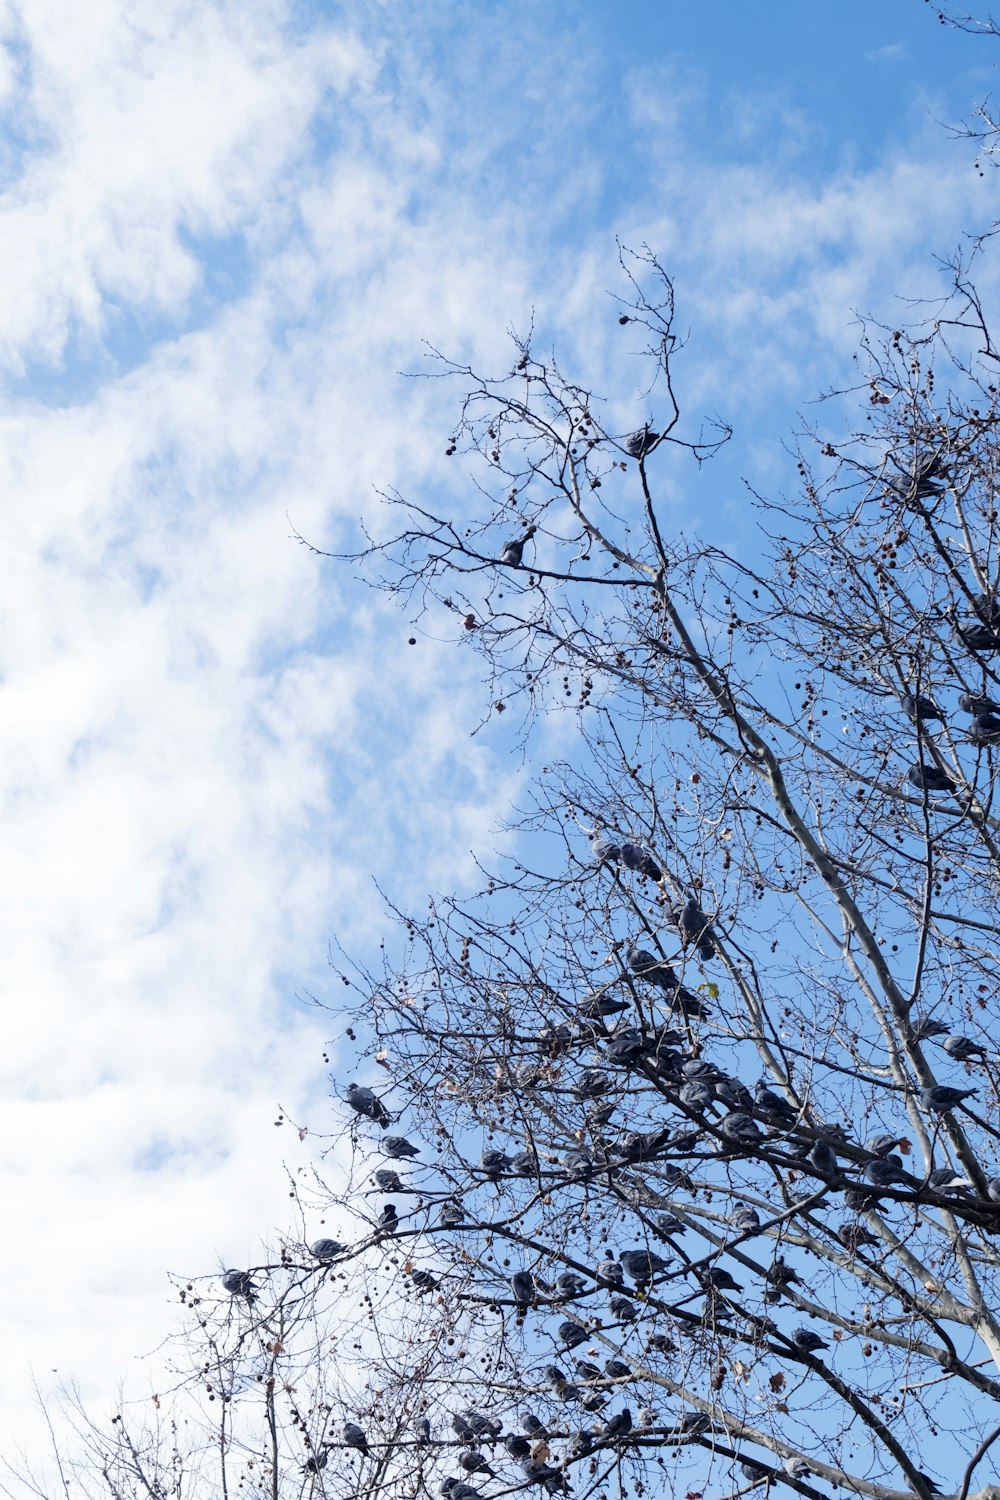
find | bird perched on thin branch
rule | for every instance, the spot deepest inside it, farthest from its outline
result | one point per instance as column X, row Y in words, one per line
column 920, row 708
column 364, row 1102
column 963, row 1048
column 354, row 1437
column 929, row 778
column 240, row 1284
column 807, row 1342
column 939, row 1098
column 326, row 1249
column 633, row 857
column 399, row 1148
column 638, row 444
column 696, row 930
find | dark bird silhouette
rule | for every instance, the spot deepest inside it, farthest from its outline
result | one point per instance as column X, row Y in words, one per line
column 240, row 1284
column 600, row 1004
column 882, row 1145
column 522, row 1284
column 963, row 1048
column 642, row 1265
column 512, row 552
column 717, row 1279
column 610, row 1270
column 518, row 1447
column 926, row 1027
column 824, row 1158
column 619, row 1425
column 387, row 1180
column 939, row 1098
column 635, row 858
column 533, row 1425
column 364, row 1102
column 355, row 1438
column 977, row 705
column 474, row 1463
column 605, row 851
column 744, row 1219
column 947, row 1180
column 571, row 1335
column 696, row 930
column 317, row 1462
column 853, row 1236
column 920, row 708
column 929, row 778
column 422, row 1431
column 451, row 1216
column 570, row 1284
column 399, row 1148
column 740, row 1129
column 884, row 1172
column 638, row 444
column 773, row 1104
column 388, row 1219
column 493, row 1162
column 807, row 1342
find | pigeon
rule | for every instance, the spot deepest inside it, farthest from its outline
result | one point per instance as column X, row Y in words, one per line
column 744, row 1219
column 775, row 1105
column 807, row 1342
column 364, row 1102
column 993, row 1189
column 422, row 1431
column 797, row 1468
column 317, row 1462
column 669, row 1224
column 920, row 708
column 493, row 1162
column 240, row 1284
column 978, row 705
column 716, row 1279
column 925, row 1028
column 474, row 1463
column 882, row 1145
column 424, row 1281
column 642, row 1265
column 733, row 1093
column 780, row 1274
column 946, row 1179
column 587, row 1370
column 985, row 730
column 962, row 1048
column 571, row 1334
column 647, row 966
column 624, row 1310
column 522, row 1284
column 939, row 1098
column 389, row 1219
column 976, row 636
column 399, row 1148
column 638, row 444
column 932, row 1487
column 929, row 778
column 556, row 1377
column 387, row 1181
column 511, row 554
column 694, row 1424
column 740, row 1129
column 570, row 1284
column 591, row 1084
column 604, row 851
column 627, row 1048
column 618, row 1425
column 533, row 1426
column 885, row 1171
column 596, row 1006
column 355, row 1438
column 326, row 1249
column 523, row 1164
column 517, row 1447
column 696, row 930
column 853, row 1236
column 610, row 1270
column 861, row 1199
column 633, row 857
column 480, row 1425
column 538, row 1472
column 824, row 1158
column 451, row 1216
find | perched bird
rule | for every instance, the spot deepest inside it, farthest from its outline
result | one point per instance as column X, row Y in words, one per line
column 570, row 1284
column 860, row 1199
column 696, row 930
column 932, row 1487
column 885, row 1171
column 326, row 1249
column 388, row 1219
column 920, row 708
column 925, row 1028
column 882, row 1145
column 740, row 1129
column 618, row 1425
column 929, row 778
column 522, row 1284
column 978, row 705
column 590, row 1085
column 587, row 1370
column 616, row 1369
column 424, row 1281
column 633, row 857
column 985, row 730
column 717, row 1279
column 807, row 1342
column 642, row 1265
column 571, row 1334
column 797, row 1468
column 626, row 1048
column 240, row 1284
column 824, row 1158
column 733, row 1093
column 596, row 1006
column 517, row 1447
column 780, row 1274
column 753, row 1472
column 610, row 1270
column 624, row 1310
column 605, row 851
column 480, row 1425
column 853, row 1236
column 511, row 554
column 533, row 1426
column 976, row 636
column 387, row 1181
column 399, row 1148
column 773, row 1104
column 316, row 1462
column 638, row 444
column 939, row 1097
column 451, row 1216
column 744, row 1219
column 493, row 1162
column 946, row 1179
column 474, row 1463
column 354, row 1437
column 364, row 1102
column 669, row 1224
column 422, row 1431
column 555, row 1377
column 962, row 1048
column 647, row 966
column 694, row 1423
column 538, row 1472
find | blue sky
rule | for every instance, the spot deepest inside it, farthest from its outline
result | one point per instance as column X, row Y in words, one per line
column 224, row 231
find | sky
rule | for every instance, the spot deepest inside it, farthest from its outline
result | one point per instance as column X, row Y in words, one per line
column 228, row 233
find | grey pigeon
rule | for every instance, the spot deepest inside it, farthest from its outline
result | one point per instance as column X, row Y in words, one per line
column 638, row 444
column 824, row 1158
column 695, row 1095
column 354, row 1437
column 939, row 1097
column 511, row 554
column 389, row 1219
column 474, row 1463
column 570, row 1284
column 523, row 1163
column 399, row 1148
column 518, row 1447
column 591, row 1084
column 538, row 1472
column 317, row 1462
column 930, row 778
column 618, row 1425
column 985, row 730
column 493, row 1162
column 587, row 1370
column 624, row 1310
column 669, row 1224
column 884, row 1172
column 480, row 1425
column 647, row 966
column 555, row 1376
column 733, row 1093
column 696, row 930
column 807, row 1342
column 610, row 1270
column 451, row 1216
column 240, row 1284
column 642, row 1265
column 932, row 1487
column 962, row 1048
column 571, row 1334
column 946, row 1179
column 716, row 1279
column 522, row 1284
column 422, row 1431
column 604, row 851
column 387, row 1180
column 596, row 1006
column 753, row 1472
column 626, row 1049
column 740, row 1129
column 797, row 1468
column 532, row 1425
column 978, row 705
column 993, row 1189
column 881, row 1145
column 424, row 1281
column 633, row 857
column 326, row 1249
column 744, row 1219
column 976, row 636
column 852, row 1236
column 926, row 1027
column 364, row 1102
column 920, row 708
